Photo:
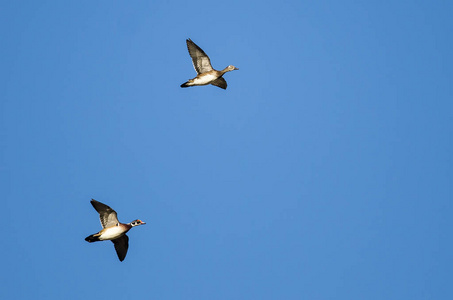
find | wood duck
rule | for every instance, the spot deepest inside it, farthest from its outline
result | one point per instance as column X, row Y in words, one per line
column 113, row 229
column 202, row 64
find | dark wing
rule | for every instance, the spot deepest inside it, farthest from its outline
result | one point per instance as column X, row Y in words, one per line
column 220, row 82
column 121, row 246
column 200, row 60
column 106, row 214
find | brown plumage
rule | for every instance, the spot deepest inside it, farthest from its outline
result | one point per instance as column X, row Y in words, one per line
column 205, row 73
column 112, row 230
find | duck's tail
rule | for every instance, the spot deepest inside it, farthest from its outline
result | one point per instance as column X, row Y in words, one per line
column 185, row 84
column 92, row 238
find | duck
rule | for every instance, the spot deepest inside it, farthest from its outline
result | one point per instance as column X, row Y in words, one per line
column 205, row 73
column 112, row 230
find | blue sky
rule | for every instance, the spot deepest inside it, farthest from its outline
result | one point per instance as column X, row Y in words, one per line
column 324, row 171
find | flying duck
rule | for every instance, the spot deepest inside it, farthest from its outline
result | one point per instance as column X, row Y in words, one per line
column 205, row 73
column 113, row 229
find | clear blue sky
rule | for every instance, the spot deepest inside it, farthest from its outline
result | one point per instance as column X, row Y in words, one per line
column 324, row 171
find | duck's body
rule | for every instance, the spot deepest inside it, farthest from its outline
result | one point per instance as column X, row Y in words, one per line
column 110, row 233
column 202, row 64
column 113, row 229
column 205, row 78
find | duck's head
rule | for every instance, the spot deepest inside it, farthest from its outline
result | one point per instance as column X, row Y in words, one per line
column 231, row 68
column 137, row 222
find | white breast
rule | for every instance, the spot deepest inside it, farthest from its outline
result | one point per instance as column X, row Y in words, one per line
column 205, row 79
column 112, row 233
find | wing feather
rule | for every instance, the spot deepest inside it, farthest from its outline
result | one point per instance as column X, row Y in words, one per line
column 121, row 245
column 107, row 215
column 220, row 82
column 200, row 60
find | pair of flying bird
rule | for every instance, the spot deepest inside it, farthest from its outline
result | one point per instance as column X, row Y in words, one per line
column 115, row 231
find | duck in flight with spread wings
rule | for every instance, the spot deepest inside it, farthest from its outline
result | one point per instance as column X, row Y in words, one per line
column 113, row 229
column 205, row 73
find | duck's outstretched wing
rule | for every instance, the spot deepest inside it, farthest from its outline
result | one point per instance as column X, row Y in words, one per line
column 220, row 82
column 121, row 245
column 106, row 214
column 200, row 60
